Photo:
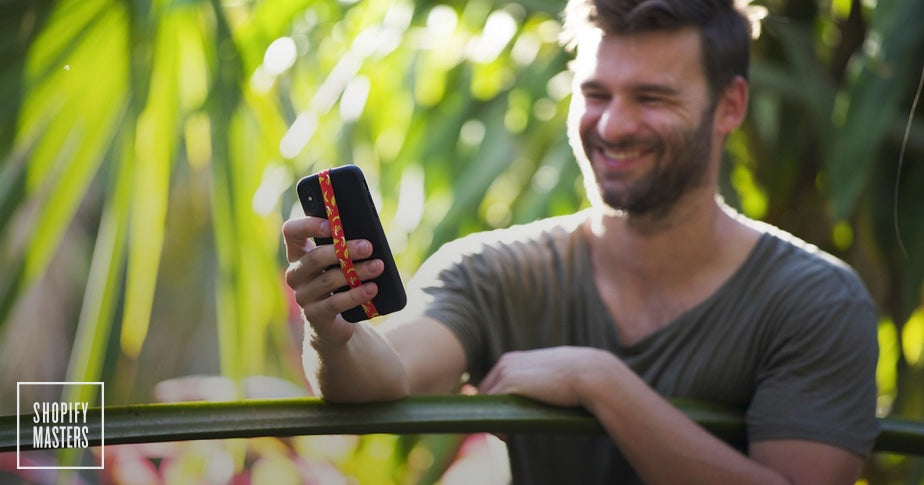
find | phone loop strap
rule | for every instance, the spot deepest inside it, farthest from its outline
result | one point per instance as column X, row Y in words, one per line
column 340, row 243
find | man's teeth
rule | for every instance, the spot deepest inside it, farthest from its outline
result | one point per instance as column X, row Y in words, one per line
column 621, row 155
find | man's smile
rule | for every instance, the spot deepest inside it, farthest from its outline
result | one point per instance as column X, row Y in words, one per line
column 621, row 156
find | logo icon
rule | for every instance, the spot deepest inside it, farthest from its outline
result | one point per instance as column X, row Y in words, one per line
column 59, row 424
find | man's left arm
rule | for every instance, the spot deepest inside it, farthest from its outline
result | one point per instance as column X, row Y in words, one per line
column 804, row 461
column 661, row 443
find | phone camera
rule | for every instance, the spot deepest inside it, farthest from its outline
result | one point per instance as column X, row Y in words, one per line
column 314, row 205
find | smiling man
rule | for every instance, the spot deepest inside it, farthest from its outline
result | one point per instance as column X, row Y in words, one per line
column 658, row 291
column 649, row 112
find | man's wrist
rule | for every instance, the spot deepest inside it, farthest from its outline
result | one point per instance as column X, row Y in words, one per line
column 599, row 381
column 334, row 338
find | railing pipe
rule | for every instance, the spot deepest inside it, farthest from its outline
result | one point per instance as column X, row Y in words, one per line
column 147, row 423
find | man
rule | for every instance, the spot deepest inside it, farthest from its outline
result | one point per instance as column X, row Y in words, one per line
column 657, row 291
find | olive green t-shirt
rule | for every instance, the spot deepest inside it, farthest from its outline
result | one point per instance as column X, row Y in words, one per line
column 790, row 338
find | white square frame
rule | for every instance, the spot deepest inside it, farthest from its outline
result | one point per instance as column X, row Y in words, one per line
column 102, row 424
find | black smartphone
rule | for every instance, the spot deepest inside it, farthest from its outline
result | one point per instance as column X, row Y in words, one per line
column 360, row 220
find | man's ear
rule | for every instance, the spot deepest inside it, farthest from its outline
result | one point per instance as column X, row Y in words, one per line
column 731, row 106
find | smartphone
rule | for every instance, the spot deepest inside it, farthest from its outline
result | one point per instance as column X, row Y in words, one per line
column 360, row 221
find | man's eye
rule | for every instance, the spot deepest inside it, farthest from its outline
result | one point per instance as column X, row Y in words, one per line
column 596, row 96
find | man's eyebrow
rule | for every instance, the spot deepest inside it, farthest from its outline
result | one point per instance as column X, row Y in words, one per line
column 592, row 84
column 647, row 88
column 651, row 88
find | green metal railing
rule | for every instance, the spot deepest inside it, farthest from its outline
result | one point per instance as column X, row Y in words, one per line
column 146, row 423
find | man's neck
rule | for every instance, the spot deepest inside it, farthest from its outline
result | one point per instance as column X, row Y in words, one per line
column 692, row 234
column 648, row 271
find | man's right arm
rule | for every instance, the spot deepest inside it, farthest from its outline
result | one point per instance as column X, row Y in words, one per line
column 355, row 362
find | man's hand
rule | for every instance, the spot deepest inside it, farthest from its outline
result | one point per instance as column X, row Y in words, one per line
column 554, row 375
column 343, row 362
column 314, row 285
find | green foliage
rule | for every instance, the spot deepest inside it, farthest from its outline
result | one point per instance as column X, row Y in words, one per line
column 149, row 150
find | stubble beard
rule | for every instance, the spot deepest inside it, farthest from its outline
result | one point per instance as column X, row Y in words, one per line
column 681, row 163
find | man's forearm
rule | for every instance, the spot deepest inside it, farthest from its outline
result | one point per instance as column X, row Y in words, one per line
column 670, row 448
column 663, row 444
column 366, row 368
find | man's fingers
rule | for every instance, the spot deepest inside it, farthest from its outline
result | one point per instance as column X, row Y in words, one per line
column 337, row 303
column 332, row 279
column 314, row 274
column 324, row 256
column 316, row 277
column 491, row 382
column 298, row 233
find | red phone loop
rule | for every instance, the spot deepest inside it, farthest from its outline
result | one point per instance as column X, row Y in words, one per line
column 340, row 243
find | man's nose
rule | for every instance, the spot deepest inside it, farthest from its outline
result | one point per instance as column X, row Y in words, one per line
column 617, row 121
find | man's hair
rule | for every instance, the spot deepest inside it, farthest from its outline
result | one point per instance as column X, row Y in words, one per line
column 724, row 30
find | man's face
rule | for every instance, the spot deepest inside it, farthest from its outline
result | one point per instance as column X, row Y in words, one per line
column 641, row 119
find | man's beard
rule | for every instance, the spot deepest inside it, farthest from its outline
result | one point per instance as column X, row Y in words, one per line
column 681, row 162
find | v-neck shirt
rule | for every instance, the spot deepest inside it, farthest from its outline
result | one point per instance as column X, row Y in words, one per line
column 789, row 338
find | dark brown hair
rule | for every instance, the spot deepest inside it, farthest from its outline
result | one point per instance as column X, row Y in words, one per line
column 724, row 31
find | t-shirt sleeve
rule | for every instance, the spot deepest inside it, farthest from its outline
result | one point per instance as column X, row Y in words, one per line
column 461, row 288
column 501, row 291
column 818, row 382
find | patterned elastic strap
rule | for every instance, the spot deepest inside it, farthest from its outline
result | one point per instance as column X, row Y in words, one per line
column 340, row 243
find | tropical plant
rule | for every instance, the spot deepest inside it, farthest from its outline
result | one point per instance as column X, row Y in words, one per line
column 150, row 149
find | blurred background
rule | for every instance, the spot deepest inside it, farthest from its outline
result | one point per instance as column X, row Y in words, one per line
column 149, row 151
